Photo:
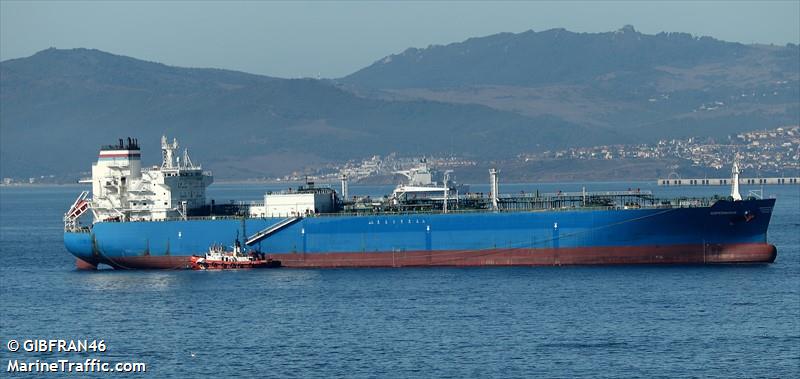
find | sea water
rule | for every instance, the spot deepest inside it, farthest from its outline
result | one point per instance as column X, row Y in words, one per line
column 632, row 321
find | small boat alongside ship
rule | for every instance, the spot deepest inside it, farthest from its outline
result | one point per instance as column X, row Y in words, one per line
column 217, row 258
column 158, row 217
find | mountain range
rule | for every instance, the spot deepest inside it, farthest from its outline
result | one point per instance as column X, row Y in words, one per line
column 487, row 98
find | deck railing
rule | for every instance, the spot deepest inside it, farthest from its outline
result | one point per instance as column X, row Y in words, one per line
column 555, row 204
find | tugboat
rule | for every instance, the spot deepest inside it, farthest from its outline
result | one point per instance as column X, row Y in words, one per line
column 217, row 258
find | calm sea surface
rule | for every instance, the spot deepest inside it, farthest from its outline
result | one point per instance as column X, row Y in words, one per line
column 688, row 321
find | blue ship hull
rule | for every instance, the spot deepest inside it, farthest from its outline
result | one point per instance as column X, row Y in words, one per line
column 726, row 232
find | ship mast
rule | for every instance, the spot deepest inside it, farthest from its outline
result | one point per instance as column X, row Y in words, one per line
column 345, row 194
column 168, row 152
column 446, row 190
column 735, row 180
column 495, row 186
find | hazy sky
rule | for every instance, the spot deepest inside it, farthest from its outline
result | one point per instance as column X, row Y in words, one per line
column 333, row 39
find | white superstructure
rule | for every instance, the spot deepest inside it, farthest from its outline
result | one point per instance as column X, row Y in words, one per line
column 298, row 204
column 420, row 185
column 123, row 191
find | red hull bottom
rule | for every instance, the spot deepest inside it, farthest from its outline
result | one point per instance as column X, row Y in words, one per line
column 681, row 254
column 80, row 264
column 629, row 255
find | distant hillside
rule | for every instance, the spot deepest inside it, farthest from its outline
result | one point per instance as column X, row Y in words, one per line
column 532, row 59
column 485, row 98
column 638, row 85
column 59, row 106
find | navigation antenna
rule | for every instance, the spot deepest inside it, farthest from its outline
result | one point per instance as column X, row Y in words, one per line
column 187, row 162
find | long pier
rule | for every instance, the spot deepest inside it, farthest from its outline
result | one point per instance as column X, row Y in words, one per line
column 728, row 181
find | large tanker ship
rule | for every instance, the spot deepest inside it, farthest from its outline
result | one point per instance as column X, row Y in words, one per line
column 158, row 217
